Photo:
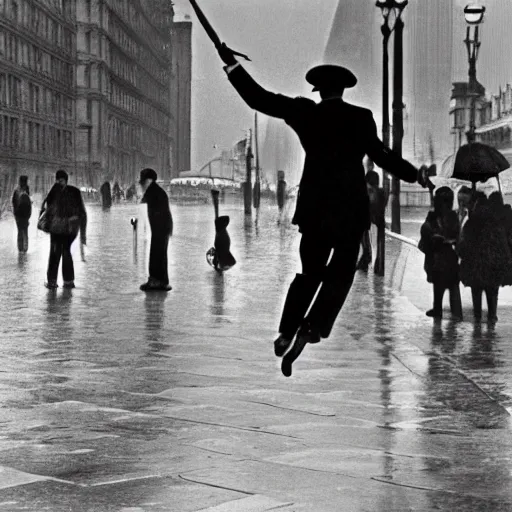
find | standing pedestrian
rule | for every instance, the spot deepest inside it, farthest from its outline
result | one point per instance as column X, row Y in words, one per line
column 67, row 216
column 22, row 210
column 332, row 209
column 160, row 221
column 106, row 195
column 439, row 236
column 486, row 257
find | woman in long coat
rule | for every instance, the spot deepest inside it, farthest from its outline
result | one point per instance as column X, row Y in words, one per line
column 486, row 258
column 439, row 235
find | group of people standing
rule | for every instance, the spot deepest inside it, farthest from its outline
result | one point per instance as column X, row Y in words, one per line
column 63, row 216
column 471, row 245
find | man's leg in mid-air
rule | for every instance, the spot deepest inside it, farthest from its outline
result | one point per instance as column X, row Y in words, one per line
column 314, row 254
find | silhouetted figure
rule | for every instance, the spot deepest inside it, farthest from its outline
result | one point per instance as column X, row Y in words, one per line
column 160, row 221
column 332, row 209
column 484, row 249
column 131, row 192
column 106, row 195
column 219, row 256
column 281, row 191
column 377, row 199
column 439, row 236
column 116, row 192
column 22, row 210
column 67, row 216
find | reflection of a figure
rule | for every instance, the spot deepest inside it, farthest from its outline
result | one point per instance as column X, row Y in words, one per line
column 58, row 326
column 218, row 286
column 22, row 259
column 383, row 318
column 445, row 339
column 482, row 353
column 154, row 304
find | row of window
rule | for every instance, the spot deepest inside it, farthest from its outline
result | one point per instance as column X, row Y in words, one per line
column 132, row 16
column 141, row 54
column 30, row 56
column 27, row 13
column 20, row 93
column 137, row 76
column 34, row 137
column 35, row 19
column 147, row 113
column 129, row 137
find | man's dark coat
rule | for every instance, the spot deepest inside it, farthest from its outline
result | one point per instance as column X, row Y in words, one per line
column 159, row 212
column 335, row 136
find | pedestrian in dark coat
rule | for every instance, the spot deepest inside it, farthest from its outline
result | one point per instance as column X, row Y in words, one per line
column 332, row 209
column 486, row 257
column 106, row 195
column 67, row 216
column 160, row 221
column 439, row 236
column 22, row 210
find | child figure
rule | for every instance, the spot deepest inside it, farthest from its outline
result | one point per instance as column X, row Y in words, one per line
column 439, row 235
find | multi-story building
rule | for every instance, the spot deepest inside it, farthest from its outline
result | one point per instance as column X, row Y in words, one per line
column 37, row 87
column 123, row 81
column 180, row 96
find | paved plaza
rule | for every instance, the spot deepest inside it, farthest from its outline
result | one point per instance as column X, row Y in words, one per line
column 116, row 400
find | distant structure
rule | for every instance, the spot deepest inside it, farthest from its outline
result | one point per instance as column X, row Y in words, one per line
column 37, row 55
column 100, row 89
column 434, row 58
column 428, row 42
column 123, row 82
column 355, row 42
column 180, row 96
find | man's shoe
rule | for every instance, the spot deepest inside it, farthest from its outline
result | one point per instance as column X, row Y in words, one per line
column 155, row 286
column 292, row 355
column 69, row 284
column 434, row 314
column 281, row 345
column 309, row 334
column 51, row 285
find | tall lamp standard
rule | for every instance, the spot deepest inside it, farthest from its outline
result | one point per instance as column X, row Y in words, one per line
column 392, row 10
column 474, row 15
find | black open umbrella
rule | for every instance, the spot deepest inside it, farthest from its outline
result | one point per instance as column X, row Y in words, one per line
column 478, row 162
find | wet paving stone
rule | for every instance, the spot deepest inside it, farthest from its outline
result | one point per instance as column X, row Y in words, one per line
column 115, row 400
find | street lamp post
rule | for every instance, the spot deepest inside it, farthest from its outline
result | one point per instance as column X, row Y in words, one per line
column 392, row 10
column 474, row 15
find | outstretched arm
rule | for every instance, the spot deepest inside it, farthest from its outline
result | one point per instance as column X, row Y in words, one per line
column 256, row 97
column 387, row 159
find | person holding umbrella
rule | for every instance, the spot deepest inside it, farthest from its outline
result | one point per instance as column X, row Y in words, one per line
column 332, row 210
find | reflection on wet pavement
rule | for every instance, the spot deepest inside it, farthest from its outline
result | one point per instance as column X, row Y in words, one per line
column 113, row 399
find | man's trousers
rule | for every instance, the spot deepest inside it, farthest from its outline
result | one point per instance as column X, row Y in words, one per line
column 158, row 257
column 334, row 276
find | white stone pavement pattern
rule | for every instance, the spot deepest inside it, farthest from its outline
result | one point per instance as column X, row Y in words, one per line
column 114, row 400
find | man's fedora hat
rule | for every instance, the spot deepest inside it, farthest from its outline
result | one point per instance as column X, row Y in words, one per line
column 328, row 75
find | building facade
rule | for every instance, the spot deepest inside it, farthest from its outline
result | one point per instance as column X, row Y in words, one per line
column 123, row 82
column 37, row 91
column 180, row 97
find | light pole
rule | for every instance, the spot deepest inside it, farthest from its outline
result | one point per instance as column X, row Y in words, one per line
column 392, row 12
column 474, row 15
